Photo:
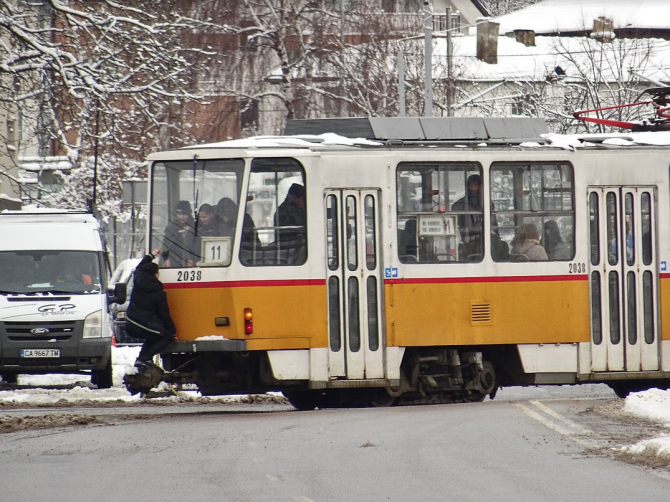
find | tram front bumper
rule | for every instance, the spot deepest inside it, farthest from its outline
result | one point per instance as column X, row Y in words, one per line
column 195, row 346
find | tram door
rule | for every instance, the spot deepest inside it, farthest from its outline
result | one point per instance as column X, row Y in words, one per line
column 355, row 330
column 623, row 279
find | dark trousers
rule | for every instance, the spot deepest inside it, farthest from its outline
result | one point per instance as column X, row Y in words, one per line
column 153, row 343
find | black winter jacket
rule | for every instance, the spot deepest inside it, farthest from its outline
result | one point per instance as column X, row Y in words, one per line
column 148, row 308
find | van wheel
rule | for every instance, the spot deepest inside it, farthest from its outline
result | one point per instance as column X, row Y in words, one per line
column 103, row 378
column 11, row 378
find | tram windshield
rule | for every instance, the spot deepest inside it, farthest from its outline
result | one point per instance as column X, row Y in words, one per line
column 194, row 211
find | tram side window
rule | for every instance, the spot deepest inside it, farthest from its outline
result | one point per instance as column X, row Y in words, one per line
column 274, row 232
column 194, row 211
column 533, row 210
column 440, row 217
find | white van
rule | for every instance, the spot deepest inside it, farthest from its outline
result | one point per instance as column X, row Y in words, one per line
column 53, row 296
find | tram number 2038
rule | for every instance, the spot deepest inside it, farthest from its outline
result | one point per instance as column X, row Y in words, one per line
column 189, row 275
column 577, row 268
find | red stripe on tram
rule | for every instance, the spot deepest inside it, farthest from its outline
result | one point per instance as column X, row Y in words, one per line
column 244, row 284
column 475, row 280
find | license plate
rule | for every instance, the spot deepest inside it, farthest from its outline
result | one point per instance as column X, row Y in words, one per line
column 40, row 352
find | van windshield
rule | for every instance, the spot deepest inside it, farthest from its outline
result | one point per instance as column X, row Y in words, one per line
column 71, row 272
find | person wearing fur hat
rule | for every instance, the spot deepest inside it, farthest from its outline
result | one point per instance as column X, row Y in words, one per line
column 148, row 314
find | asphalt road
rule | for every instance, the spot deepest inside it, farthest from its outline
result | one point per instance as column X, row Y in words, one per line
column 526, row 446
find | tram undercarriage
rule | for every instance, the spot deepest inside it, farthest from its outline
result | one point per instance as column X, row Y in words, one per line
column 428, row 376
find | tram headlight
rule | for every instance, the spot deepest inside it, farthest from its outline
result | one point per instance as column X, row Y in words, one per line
column 248, row 322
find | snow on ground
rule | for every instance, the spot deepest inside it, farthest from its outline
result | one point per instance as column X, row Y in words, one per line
column 653, row 404
column 77, row 388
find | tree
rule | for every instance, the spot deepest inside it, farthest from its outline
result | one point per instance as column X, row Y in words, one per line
column 96, row 80
column 562, row 75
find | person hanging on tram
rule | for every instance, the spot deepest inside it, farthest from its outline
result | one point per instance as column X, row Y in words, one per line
column 148, row 314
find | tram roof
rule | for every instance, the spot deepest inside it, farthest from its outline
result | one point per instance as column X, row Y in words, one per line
column 508, row 129
column 321, row 135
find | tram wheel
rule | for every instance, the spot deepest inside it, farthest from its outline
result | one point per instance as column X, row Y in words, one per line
column 382, row 399
column 303, row 400
column 474, row 397
column 486, row 384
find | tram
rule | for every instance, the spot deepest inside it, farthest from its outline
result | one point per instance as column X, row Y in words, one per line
column 415, row 260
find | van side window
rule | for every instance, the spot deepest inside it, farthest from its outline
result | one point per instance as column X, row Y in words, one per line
column 274, row 230
column 440, row 216
column 533, row 211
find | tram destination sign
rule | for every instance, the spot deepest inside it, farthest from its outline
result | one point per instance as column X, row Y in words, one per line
column 437, row 225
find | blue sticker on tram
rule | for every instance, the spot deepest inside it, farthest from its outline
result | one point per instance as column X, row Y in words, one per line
column 391, row 273
column 664, row 266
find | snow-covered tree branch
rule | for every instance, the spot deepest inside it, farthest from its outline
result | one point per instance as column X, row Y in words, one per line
column 87, row 74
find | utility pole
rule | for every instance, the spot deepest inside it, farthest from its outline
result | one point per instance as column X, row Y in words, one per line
column 428, row 33
column 401, row 82
column 450, row 68
column 342, row 56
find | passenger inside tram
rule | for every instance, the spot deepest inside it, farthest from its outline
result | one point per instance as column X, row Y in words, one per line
column 227, row 211
column 209, row 222
column 553, row 242
column 179, row 239
column 470, row 225
column 526, row 244
column 292, row 211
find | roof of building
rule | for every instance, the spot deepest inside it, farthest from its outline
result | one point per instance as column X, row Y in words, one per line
column 565, row 16
column 572, row 54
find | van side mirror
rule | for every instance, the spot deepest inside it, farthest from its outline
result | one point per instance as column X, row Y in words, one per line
column 119, row 295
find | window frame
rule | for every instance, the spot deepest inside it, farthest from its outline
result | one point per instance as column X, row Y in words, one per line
column 542, row 213
column 468, row 168
column 299, row 258
column 173, row 194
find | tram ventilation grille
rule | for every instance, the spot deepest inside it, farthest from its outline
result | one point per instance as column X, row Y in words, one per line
column 481, row 314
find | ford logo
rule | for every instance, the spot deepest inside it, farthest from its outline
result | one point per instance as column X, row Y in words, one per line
column 39, row 331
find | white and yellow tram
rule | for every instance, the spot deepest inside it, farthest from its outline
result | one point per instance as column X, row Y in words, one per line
column 403, row 282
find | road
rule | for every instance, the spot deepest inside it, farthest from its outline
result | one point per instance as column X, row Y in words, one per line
column 527, row 445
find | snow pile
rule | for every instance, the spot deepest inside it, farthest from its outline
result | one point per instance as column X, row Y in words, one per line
column 653, row 404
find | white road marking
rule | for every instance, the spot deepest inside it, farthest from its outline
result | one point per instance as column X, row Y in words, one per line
column 542, row 420
column 560, row 417
column 273, row 477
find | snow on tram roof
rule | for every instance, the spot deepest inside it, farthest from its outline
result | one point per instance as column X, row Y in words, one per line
column 572, row 141
column 331, row 140
column 298, row 141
